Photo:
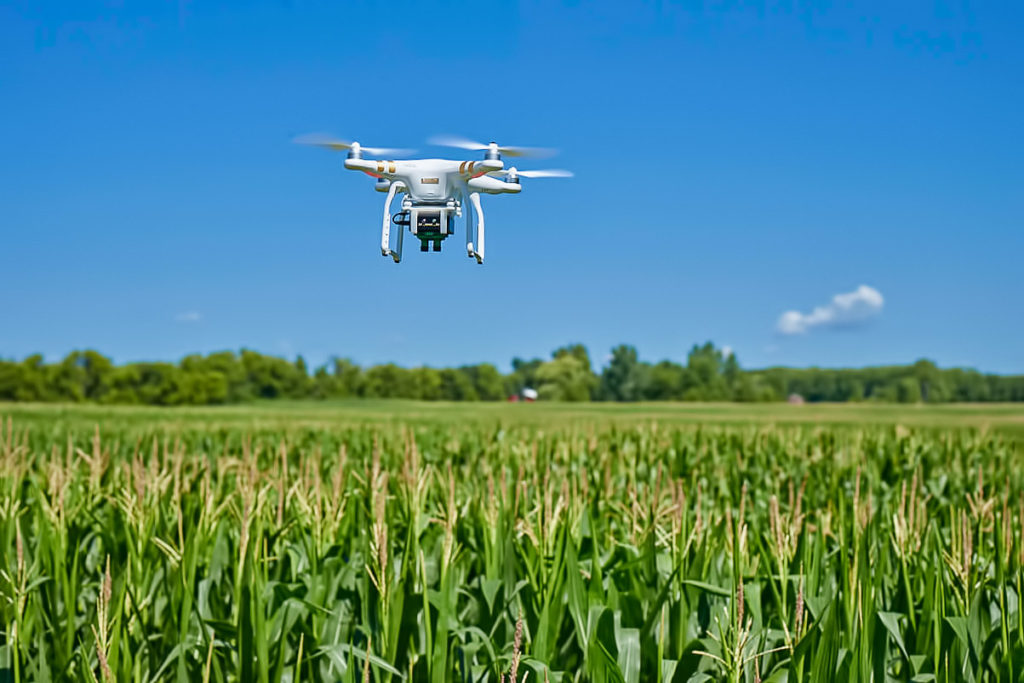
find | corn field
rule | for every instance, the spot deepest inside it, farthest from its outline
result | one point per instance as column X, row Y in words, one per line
column 603, row 552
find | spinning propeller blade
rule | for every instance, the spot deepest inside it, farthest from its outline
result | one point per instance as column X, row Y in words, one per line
column 472, row 145
column 330, row 142
column 547, row 173
column 542, row 173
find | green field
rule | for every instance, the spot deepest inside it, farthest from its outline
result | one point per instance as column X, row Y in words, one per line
column 392, row 541
column 1005, row 418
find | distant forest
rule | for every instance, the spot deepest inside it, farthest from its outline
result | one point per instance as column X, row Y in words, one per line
column 568, row 375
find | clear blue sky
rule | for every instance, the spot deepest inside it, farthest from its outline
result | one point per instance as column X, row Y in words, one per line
column 734, row 161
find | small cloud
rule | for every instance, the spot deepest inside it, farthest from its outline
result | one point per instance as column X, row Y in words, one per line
column 771, row 348
column 845, row 310
column 188, row 317
column 726, row 351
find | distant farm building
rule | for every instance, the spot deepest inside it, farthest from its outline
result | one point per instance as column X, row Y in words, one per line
column 527, row 394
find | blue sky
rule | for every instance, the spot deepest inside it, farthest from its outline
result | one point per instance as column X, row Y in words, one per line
column 734, row 161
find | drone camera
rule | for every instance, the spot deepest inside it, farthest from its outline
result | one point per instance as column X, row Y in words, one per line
column 430, row 224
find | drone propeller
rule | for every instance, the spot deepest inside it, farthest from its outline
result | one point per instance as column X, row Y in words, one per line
column 324, row 140
column 542, row 173
column 472, row 145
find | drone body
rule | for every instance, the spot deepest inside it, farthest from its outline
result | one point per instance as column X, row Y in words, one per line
column 436, row 191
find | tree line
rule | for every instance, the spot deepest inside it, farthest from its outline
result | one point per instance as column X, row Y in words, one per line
column 709, row 374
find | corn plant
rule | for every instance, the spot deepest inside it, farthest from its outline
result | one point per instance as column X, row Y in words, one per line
column 586, row 551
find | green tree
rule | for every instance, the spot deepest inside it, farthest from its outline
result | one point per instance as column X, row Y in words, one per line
column 579, row 352
column 524, row 375
column 81, row 376
column 388, row 381
column 705, row 379
column 667, row 381
column 201, row 387
column 300, row 381
column 564, row 379
column 349, row 377
column 227, row 377
column 272, row 377
column 933, row 385
column 908, row 390
column 125, row 382
column 24, row 381
column 746, row 388
column 487, row 381
column 625, row 378
column 229, row 366
column 157, row 383
column 457, row 386
column 733, row 377
column 427, row 383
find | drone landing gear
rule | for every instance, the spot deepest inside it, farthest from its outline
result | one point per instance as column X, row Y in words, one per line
column 478, row 232
column 385, row 235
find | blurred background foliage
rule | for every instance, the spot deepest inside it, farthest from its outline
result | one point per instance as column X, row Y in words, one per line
column 709, row 374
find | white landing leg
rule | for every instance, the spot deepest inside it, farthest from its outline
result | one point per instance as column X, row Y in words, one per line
column 477, row 253
column 385, row 233
column 470, row 227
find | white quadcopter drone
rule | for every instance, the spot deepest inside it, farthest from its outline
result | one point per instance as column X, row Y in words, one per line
column 437, row 190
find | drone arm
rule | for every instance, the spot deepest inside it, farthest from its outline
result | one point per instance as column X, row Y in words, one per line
column 385, row 233
column 474, row 198
column 477, row 169
column 378, row 169
column 493, row 185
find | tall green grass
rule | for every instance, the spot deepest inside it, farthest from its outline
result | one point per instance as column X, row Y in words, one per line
column 600, row 552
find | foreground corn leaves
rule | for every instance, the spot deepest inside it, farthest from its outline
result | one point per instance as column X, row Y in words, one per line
column 411, row 554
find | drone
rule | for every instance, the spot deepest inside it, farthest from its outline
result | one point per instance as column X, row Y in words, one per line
column 437, row 191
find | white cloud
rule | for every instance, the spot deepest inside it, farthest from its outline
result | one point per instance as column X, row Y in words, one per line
column 726, row 351
column 845, row 310
column 188, row 317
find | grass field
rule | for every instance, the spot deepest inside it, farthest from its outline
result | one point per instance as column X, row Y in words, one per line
column 1004, row 418
column 392, row 541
